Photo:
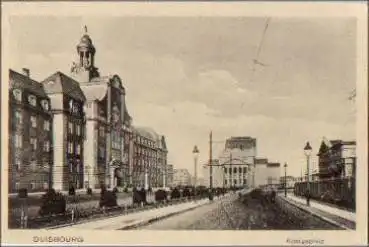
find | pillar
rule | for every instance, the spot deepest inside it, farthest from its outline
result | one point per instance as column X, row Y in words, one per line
column 59, row 152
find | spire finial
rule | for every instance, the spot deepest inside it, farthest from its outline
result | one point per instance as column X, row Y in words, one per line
column 85, row 29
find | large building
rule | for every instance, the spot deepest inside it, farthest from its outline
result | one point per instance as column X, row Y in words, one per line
column 169, row 176
column 337, row 158
column 238, row 159
column 30, row 134
column 181, row 177
column 76, row 131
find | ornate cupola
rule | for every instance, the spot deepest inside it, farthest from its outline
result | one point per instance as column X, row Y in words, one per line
column 84, row 70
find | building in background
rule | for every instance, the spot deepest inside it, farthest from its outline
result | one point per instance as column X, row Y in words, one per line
column 169, row 176
column 76, row 131
column 30, row 122
column 181, row 177
column 266, row 173
column 289, row 180
column 273, row 173
column 337, row 158
column 260, row 172
column 238, row 159
column 150, row 157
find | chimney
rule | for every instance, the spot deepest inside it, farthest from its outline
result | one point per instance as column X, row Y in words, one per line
column 25, row 72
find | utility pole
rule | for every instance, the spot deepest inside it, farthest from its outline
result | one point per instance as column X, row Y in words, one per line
column 211, row 164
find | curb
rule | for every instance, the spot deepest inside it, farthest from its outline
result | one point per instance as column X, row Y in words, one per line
column 316, row 215
column 155, row 219
column 113, row 216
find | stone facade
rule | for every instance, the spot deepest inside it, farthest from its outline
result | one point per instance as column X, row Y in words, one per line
column 337, row 158
column 238, row 160
column 91, row 138
column 30, row 134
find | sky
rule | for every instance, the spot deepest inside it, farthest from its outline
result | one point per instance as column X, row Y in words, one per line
column 185, row 76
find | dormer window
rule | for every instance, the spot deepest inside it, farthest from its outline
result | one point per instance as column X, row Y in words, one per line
column 17, row 93
column 45, row 105
column 32, row 100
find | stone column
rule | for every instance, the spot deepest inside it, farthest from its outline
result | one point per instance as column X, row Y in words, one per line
column 59, row 152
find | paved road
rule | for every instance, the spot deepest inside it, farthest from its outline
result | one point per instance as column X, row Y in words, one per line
column 232, row 213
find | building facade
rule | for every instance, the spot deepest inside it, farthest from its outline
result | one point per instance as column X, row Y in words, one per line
column 181, row 177
column 337, row 158
column 30, row 134
column 149, row 158
column 169, row 176
column 237, row 161
column 78, row 129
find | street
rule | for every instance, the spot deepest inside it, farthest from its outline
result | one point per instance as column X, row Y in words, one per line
column 232, row 213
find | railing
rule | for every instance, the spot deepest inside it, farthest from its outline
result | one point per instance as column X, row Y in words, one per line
column 76, row 212
column 339, row 191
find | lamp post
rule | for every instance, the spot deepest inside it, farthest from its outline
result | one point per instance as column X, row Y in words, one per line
column 285, row 179
column 307, row 151
column 195, row 153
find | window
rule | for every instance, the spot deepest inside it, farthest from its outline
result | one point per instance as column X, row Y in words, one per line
column 33, row 121
column 235, row 170
column 235, row 181
column 45, row 185
column 102, row 152
column 78, row 149
column 46, row 146
column 17, row 186
column 18, row 117
column 34, row 143
column 47, row 125
column 240, row 169
column 32, row 185
column 70, row 147
column 32, row 100
column 225, row 182
column 102, row 131
column 78, row 129
column 18, row 139
column 45, row 105
column 17, row 165
column 245, row 170
column 70, row 127
column 244, row 181
column 33, row 165
column 225, row 169
column 17, row 94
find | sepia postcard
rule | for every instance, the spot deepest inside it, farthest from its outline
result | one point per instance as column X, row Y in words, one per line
column 199, row 123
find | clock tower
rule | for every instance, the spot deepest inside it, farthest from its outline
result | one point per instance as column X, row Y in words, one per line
column 84, row 70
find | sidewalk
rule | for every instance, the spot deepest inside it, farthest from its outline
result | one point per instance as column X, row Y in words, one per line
column 134, row 220
column 140, row 218
column 339, row 217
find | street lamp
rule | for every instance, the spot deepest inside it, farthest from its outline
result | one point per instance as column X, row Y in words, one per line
column 285, row 179
column 195, row 153
column 307, row 151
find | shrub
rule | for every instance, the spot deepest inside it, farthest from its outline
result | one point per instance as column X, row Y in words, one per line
column 160, row 195
column 136, row 196
column 125, row 190
column 89, row 191
column 175, row 194
column 115, row 190
column 72, row 191
column 143, row 195
column 108, row 199
column 52, row 203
